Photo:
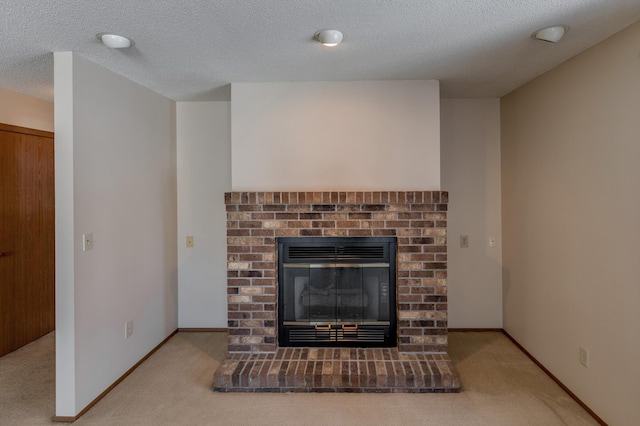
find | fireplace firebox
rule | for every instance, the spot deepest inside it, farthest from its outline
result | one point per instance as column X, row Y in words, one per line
column 337, row 292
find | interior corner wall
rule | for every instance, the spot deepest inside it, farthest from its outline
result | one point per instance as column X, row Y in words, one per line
column 470, row 169
column 204, row 175
column 115, row 155
column 571, row 203
column 21, row 110
column 335, row 136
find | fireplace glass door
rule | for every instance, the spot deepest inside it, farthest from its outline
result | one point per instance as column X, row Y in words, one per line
column 336, row 293
column 336, row 290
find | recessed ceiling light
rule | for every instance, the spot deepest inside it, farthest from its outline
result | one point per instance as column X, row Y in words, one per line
column 329, row 37
column 114, row 41
column 551, row 34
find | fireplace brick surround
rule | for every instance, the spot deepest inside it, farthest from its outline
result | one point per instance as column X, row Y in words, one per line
column 418, row 219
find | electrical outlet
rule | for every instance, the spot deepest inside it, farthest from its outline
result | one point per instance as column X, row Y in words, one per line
column 584, row 357
column 87, row 242
column 492, row 241
column 128, row 329
column 464, row 241
column 190, row 241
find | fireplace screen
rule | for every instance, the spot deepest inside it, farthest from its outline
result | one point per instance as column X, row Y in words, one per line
column 337, row 291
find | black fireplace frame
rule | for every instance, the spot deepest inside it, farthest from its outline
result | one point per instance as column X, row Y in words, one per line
column 349, row 251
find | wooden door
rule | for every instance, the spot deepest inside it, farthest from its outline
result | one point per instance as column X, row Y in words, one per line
column 27, row 246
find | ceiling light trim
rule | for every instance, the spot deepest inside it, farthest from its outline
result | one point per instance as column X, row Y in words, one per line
column 329, row 38
column 551, row 34
column 114, row 41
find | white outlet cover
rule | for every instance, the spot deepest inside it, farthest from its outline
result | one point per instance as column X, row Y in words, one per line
column 584, row 357
column 128, row 329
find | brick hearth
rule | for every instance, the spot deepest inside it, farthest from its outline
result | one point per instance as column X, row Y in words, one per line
column 256, row 219
column 337, row 370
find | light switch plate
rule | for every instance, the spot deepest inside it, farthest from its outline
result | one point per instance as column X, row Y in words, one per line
column 87, row 242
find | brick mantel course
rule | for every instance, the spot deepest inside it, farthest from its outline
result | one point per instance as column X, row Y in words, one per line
column 417, row 218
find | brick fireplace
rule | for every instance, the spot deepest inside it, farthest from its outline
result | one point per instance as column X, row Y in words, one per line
column 418, row 219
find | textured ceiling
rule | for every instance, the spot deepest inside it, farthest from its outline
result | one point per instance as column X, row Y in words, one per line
column 192, row 49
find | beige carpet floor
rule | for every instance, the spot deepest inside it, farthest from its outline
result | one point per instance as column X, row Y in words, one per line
column 501, row 386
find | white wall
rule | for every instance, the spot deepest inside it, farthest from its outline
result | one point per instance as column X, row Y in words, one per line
column 366, row 135
column 204, row 175
column 273, row 123
column 65, row 237
column 116, row 178
column 470, row 169
column 571, row 203
column 25, row 111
